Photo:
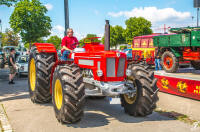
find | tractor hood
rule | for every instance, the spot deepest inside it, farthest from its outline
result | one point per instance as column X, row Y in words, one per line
column 112, row 63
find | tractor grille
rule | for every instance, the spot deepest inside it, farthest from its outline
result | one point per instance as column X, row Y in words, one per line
column 121, row 65
column 111, row 67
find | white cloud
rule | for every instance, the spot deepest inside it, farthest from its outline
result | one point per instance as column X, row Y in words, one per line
column 154, row 14
column 59, row 28
column 49, row 6
column 96, row 12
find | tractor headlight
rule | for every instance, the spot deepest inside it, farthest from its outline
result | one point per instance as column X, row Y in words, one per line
column 99, row 73
column 128, row 72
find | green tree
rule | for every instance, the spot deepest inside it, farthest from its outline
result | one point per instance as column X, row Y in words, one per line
column 136, row 27
column 9, row 38
column 55, row 40
column 88, row 40
column 116, row 36
column 29, row 20
column 8, row 2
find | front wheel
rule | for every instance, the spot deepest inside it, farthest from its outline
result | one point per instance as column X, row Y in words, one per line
column 169, row 62
column 68, row 93
column 144, row 101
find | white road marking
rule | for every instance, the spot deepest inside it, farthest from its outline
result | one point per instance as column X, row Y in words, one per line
column 6, row 127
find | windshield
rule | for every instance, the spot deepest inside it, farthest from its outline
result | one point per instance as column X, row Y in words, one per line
column 23, row 59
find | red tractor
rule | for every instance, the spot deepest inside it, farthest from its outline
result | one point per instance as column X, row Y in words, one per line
column 92, row 71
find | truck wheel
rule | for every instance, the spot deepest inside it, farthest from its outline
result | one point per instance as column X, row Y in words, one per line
column 40, row 65
column 68, row 93
column 196, row 65
column 143, row 102
column 169, row 62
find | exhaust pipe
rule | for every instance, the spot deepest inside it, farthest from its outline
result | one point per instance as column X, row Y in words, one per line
column 107, row 36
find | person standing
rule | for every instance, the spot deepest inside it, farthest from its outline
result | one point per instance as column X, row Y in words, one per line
column 12, row 66
column 157, row 60
column 69, row 43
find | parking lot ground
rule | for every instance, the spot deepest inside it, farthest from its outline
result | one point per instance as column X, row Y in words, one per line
column 24, row 116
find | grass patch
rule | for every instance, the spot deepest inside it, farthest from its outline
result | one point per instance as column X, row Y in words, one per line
column 178, row 116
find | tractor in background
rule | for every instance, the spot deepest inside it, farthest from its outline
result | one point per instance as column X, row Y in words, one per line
column 93, row 70
column 184, row 45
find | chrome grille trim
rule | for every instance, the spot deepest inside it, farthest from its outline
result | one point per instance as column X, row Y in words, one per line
column 121, row 66
column 110, row 67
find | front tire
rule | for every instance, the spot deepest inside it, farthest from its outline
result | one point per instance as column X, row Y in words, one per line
column 196, row 65
column 68, row 93
column 144, row 101
column 39, row 73
column 169, row 62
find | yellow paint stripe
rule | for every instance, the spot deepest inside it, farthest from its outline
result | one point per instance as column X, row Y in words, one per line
column 143, row 49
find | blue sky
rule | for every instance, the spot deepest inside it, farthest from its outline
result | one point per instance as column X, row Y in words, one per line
column 88, row 16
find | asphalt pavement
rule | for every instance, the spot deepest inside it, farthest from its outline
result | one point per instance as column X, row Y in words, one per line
column 100, row 115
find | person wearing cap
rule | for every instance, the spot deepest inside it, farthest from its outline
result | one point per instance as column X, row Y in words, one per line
column 69, row 43
column 12, row 66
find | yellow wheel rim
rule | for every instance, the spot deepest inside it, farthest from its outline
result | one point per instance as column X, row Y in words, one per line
column 130, row 100
column 32, row 74
column 58, row 94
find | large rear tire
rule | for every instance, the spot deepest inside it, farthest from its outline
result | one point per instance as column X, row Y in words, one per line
column 68, row 93
column 196, row 65
column 144, row 101
column 169, row 62
column 40, row 66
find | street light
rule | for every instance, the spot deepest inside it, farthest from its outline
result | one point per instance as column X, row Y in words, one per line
column 66, row 7
column 0, row 32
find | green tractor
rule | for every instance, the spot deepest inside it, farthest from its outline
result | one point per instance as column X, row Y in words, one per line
column 182, row 45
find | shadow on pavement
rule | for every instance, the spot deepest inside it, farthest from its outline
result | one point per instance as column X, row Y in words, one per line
column 12, row 92
column 110, row 112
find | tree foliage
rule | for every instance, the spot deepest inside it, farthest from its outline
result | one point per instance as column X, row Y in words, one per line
column 8, row 2
column 116, row 36
column 9, row 38
column 86, row 40
column 29, row 20
column 136, row 27
column 55, row 40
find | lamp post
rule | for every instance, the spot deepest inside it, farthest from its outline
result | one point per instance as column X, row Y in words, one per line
column 197, row 5
column 0, row 32
column 66, row 7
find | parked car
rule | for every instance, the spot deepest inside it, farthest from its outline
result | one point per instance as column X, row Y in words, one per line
column 2, row 58
column 22, row 65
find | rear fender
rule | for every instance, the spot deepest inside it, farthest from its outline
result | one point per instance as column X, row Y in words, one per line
column 45, row 47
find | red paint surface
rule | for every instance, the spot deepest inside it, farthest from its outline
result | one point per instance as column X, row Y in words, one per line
column 192, row 86
column 45, row 47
